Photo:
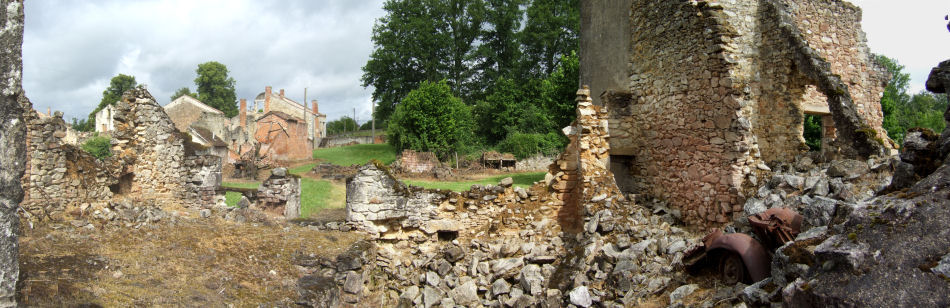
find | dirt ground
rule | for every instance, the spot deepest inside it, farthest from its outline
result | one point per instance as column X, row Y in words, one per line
column 187, row 262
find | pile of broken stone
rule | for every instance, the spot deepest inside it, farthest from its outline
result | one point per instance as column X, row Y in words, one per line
column 506, row 249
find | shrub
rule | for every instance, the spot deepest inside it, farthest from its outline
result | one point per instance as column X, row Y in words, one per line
column 524, row 145
column 430, row 118
column 98, row 146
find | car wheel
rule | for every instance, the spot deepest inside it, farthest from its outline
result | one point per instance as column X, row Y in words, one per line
column 732, row 268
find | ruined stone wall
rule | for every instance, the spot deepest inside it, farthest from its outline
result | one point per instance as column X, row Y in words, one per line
column 681, row 120
column 716, row 88
column 148, row 161
column 280, row 194
column 60, row 177
column 832, row 28
column 285, row 139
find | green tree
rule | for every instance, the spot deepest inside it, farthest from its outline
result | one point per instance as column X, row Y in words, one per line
column 83, row 125
column 183, row 91
column 499, row 54
column 550, row 33
column 341, row 125
column 421, row 40
column 895, row 97
column 118, row 85
column 216, row 88
column 559, row 90
column 431, row 118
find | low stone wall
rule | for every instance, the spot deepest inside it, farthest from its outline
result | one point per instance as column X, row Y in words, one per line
column 280, row 194
column 534, row 163
column 329, row 142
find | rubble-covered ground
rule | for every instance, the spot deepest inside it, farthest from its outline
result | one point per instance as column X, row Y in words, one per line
column 170, row 259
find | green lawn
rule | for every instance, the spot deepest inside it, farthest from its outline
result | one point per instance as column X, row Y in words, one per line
column 520, row 180
column 241, row 184
column 356, row 154
column 319, row 194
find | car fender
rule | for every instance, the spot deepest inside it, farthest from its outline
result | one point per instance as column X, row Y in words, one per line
column 753, row 254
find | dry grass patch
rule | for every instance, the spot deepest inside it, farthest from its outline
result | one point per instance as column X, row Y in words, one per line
column 188, row 263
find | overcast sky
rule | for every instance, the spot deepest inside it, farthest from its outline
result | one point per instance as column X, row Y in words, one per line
column 72, row 48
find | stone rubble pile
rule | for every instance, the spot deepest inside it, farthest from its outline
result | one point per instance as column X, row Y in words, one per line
column 498, row 245
column 815, row 190
column 571, row 240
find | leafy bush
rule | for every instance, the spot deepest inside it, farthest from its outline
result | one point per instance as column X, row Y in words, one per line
column 98, row 146
column 526, row 145
column 430, row 118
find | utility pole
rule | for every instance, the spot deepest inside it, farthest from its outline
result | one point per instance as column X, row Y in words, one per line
column 372, row 117
column 354, row 120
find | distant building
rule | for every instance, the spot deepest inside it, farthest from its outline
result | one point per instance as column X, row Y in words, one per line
column 186, row 110
column 283, row 137
column 316, row 122
column 104, row 121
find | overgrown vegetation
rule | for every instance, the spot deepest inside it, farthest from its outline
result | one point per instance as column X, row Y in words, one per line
column 341, row 125
column 526, row 145
column 83, row 125
column 513, row 61
column 812, row 132
column 98, row 146
column 520, row 180
column 903, row 111
column 356, row 154
column 431, row 119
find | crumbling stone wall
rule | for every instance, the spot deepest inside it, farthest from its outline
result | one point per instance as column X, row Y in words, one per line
column 716, row 88
column 280, row 194
column 581, row 174
column 148, row 161
column 12, row 149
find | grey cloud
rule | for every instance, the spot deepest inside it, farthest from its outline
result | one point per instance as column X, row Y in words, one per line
column 72, row 49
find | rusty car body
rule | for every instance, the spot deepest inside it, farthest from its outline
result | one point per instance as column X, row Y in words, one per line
column 740, row 257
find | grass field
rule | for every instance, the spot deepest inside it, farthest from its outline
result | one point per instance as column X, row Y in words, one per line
column 356, row 154
column 520, row 180
column 314, row 195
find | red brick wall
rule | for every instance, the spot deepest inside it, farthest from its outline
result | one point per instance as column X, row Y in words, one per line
column 287, row 140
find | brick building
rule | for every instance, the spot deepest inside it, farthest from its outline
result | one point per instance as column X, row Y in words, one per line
column 283, row 137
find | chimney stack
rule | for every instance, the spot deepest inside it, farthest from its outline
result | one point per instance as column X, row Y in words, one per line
column 315, row 108
column 267, row 99
column 281, row 93
column 243, row 113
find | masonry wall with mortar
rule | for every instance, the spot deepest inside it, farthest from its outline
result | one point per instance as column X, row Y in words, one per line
column 148, row 161
column 717, row 87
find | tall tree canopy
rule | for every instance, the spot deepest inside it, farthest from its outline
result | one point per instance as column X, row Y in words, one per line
column 216, row 88
column 550, row 33
column 183, row 91
column 470, row 44
column 903, row 111
column 118, row 85
column 421, row 40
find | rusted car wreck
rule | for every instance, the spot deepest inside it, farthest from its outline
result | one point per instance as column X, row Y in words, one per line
column 740, row 257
